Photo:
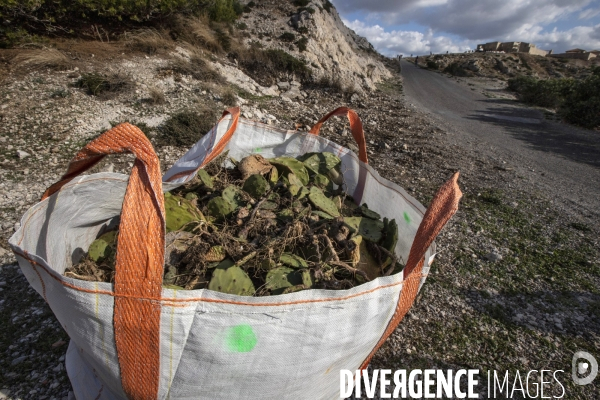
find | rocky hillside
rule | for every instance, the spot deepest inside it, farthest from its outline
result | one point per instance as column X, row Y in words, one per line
column 504, row 66
column 314, row 32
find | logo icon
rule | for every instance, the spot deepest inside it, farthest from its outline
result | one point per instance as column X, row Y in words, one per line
column 583, row 368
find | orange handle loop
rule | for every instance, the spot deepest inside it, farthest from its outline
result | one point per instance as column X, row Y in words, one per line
column 355, row 126
column 139, row 258
column 235, row 115
column 442, row 208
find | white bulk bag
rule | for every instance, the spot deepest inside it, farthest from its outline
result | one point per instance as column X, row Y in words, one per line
column 134, row 339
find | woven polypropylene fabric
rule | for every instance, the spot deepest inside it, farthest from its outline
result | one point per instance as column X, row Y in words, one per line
column 443, row 206
column 291, row 345
column 139, row 259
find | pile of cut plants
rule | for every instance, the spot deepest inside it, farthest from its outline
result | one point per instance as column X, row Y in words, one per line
column 261, row 227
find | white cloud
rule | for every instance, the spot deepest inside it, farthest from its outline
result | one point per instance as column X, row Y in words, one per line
column 584, row 37
column 472, row 22
column 469, row 18
column 385, row 5
column 589, row 13
column 406, row 42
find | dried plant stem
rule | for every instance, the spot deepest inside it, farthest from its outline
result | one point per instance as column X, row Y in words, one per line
column 350, row 269
column 244, row 232
column 88, row 278
column 246, row 258
column 331, row 249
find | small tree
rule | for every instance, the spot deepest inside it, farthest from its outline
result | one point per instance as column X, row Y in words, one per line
column 225, row 10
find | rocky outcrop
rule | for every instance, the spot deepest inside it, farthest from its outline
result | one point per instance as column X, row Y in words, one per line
column 330, row 49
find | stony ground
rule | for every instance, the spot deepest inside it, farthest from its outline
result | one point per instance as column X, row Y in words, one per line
column 514, row 287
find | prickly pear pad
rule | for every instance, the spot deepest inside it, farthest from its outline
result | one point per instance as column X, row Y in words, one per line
column 242, row 343
column 256, row 228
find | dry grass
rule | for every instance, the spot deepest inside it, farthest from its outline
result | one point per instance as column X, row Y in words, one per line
column 149, row 41
column 228, row 97
column 105, row 86
column 156, row 96
column 197, row 68
column 265, row 66
column 42, row 58
column 198, row 32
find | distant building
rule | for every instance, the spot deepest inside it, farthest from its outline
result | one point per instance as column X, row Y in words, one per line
column 577, row 54
column 513, row 47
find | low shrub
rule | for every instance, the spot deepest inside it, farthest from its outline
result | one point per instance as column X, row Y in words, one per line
column 197, row 68
column 577, row 101
column 266, row 65
column 185, row 128
column 310, row 10
column 287, row 37
column 545, row 93
column 284, row 61
column 432, row 64
column 327, row 5
column 228, row 97
column 582, row 103
column 302, row 43
column 104, row 85
column 332, row 83
column 223, row 39
column 225, row 10
column 21, row 18
column 455, row 69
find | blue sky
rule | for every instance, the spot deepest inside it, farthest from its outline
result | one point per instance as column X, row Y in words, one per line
column 423, row 26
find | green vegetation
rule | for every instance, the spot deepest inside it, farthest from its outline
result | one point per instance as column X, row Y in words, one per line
column 301, row 3
column 22, row 19
column 287, row 37
column 544, row 93
column 265, row 65
column 577, row 101
column 456, row 70
column 287, row 62
column 225, row 10
column 301, row 43
column 223, row 39
column 310, row 10
column 559, row 258
column 186, row 127
column 97, row 84
column 197, row 68
column 432, row 64
column 327, row 5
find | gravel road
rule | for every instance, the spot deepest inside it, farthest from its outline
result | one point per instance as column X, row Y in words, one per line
column 552, row 157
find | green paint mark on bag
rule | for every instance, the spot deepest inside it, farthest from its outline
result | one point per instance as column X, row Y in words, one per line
column 406, row 217
column 240, row 339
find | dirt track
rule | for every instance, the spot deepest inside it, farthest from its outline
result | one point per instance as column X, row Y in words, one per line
column 560, row 160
